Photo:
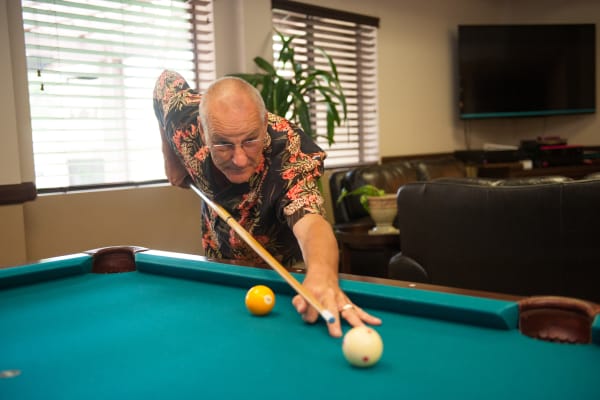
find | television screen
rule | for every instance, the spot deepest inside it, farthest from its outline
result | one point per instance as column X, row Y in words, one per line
column 526, row 70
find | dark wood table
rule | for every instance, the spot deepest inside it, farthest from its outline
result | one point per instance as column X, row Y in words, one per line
column 364, row 254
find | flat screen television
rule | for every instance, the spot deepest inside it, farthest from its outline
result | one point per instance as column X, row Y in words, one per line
column 526, row 70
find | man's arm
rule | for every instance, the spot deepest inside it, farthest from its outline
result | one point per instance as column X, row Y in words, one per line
column 174, row 169
column 320, row 252
column 176, row 108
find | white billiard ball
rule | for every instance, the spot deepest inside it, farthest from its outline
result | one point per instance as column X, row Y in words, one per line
column 362, row 346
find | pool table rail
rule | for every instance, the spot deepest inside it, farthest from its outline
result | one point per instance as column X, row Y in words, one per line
column 547, row 318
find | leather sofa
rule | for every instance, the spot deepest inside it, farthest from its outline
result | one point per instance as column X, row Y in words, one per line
column 532, row 236
column 388, row 176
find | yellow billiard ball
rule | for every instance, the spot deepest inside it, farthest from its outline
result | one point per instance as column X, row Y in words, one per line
column 362, row 346
column 260, row 300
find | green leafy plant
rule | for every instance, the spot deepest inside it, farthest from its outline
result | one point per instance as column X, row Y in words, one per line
column 290, row 96
column 364, row 192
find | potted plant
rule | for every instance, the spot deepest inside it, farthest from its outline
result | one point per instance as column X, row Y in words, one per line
column 289, row 96
column 380, row 205
column 363, row 192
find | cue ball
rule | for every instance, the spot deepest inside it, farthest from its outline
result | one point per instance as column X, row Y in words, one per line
column 260, row 300
column 362, row 346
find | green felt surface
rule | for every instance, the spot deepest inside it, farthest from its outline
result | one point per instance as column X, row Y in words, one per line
column 144, row 335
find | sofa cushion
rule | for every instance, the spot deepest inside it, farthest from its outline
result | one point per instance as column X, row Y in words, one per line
column 531, row 239
column 388, row 176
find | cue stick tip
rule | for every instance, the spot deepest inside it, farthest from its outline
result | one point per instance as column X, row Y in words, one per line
column 328, row 316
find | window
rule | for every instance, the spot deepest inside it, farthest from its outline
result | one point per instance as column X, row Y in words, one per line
column 351, row 41
column 92, row 65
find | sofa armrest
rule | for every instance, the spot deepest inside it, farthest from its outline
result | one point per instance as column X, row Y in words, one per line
column 405, row 268
column 444, row 167
column 340, row 214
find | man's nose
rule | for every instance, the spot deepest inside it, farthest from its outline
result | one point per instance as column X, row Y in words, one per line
column 239, row 158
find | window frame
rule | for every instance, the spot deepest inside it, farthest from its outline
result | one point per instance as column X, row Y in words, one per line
column 356, row 140
column 197, row 14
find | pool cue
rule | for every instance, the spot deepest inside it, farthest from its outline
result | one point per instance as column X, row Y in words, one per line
column 265, row 255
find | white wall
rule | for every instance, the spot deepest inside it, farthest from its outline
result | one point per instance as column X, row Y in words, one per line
column 242, row 32
column 418, row 110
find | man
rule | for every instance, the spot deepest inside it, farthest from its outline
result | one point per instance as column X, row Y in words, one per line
column 263, row 170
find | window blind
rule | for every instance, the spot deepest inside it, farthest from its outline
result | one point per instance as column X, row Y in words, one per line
column 92, row 66
column 351, row 41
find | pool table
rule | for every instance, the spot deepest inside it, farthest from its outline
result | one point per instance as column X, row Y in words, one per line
column 133, row 323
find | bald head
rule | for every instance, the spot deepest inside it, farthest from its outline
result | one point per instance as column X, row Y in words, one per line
column 230, row 97
column 233, row 124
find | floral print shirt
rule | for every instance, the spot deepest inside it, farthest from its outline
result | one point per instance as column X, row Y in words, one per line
column 281, row 191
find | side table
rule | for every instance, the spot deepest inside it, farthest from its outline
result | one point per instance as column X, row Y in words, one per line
column 365, row 254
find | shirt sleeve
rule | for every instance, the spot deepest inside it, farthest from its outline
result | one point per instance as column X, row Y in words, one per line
column 176, row 109
column 301, row 170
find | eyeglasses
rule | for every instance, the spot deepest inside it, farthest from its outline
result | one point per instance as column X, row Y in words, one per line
column 251, row 146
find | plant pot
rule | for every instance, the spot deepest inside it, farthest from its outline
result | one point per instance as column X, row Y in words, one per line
column 383, row 210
